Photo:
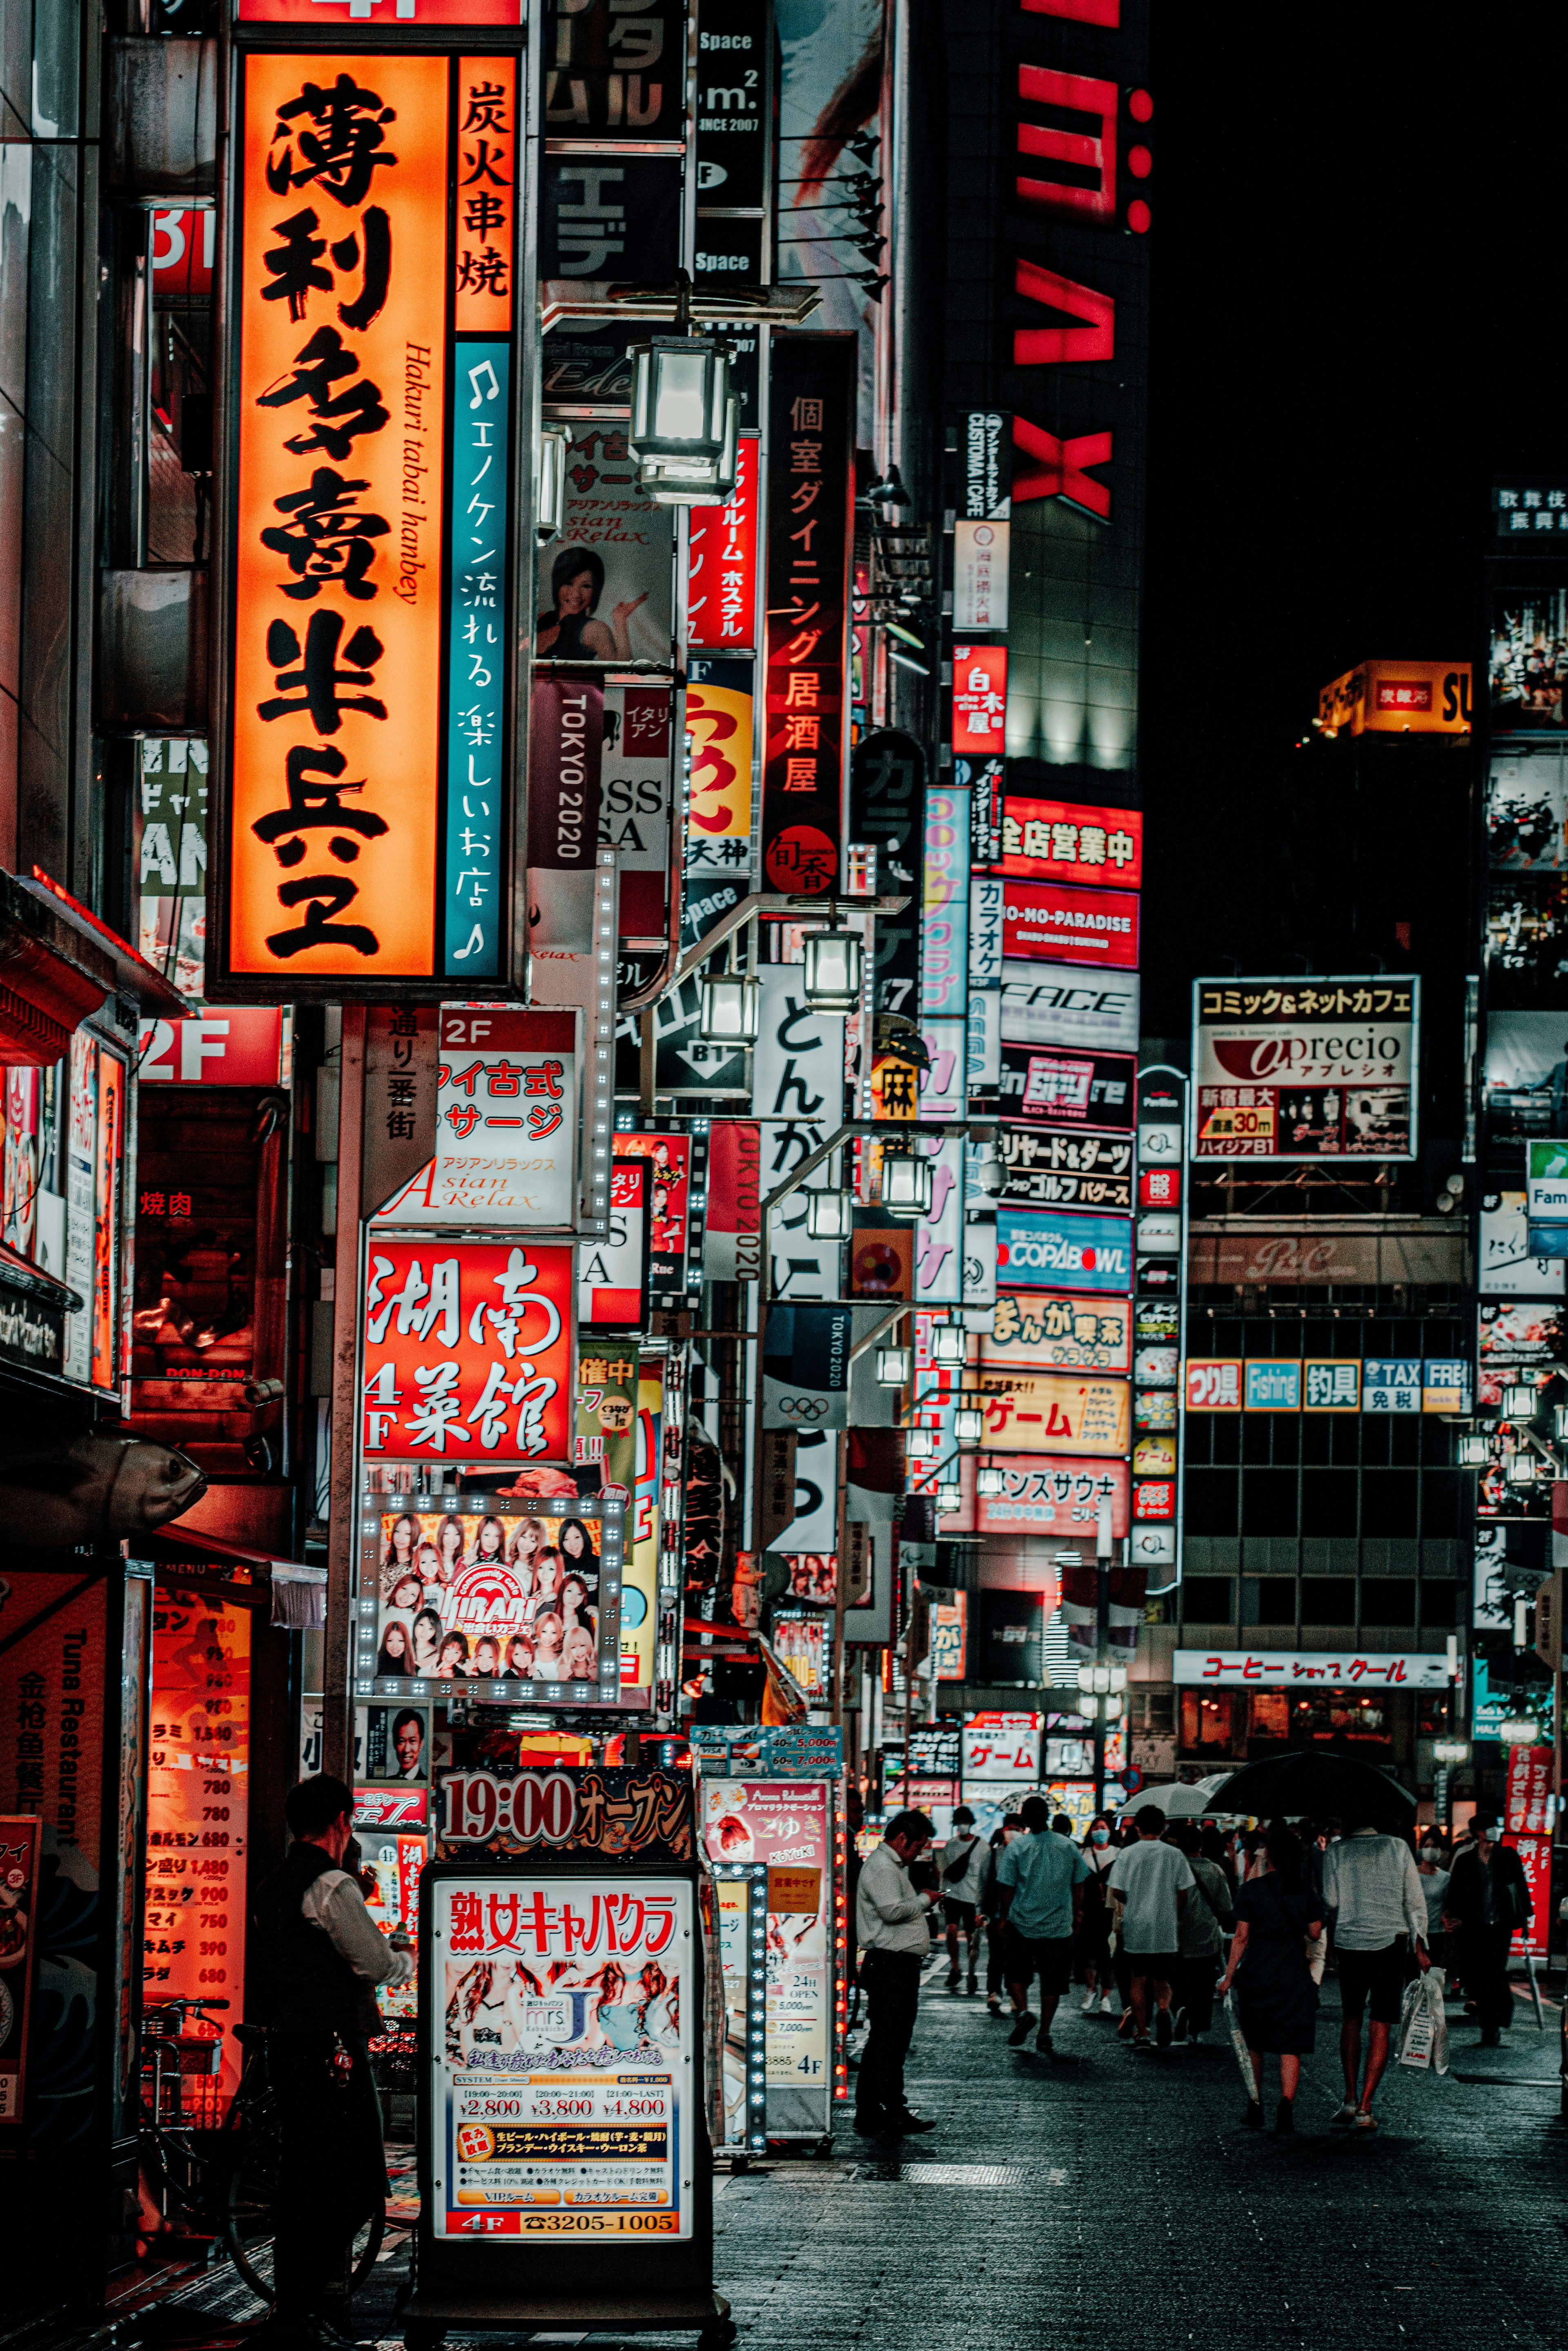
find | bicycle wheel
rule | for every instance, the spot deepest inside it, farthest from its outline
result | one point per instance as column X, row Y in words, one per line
column 248, row 2223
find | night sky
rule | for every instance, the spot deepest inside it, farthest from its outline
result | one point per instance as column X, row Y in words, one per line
column 1360, row 290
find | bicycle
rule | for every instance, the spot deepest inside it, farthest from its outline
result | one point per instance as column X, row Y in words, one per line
column 180, row 2103
column 252, row 2180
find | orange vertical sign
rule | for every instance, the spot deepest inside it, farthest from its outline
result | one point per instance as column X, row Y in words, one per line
column 483, row 264
column 337, row 665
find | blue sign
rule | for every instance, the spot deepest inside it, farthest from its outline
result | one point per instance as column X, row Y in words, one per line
column 1059, row 1252
column 1274, row 1385
column 478, row 660
column 1391, row 1383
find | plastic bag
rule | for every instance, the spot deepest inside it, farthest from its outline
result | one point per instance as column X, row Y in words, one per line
column 1423, row 2026
column 1239, row 2044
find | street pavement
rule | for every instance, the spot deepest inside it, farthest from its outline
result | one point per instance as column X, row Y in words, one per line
column 1106, row 2196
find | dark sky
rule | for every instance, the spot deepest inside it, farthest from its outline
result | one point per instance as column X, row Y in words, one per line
column 1360, row 288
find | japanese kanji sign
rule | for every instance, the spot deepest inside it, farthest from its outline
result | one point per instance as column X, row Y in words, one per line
column 1306, row 1069
column 1303, row 1668
column 980, row 698
column 722, row 567
column 812, row 407
column 1062, row 1333
column 1048, row 1494
column 719, row 739
column 468, row 1352
column 507, row 1116
column 1057, row 841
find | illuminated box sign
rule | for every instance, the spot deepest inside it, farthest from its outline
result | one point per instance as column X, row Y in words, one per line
column 376, row 197
column 1546, row 1198
column 1088, row 1334
column 240, row 1046
column 1523, row 511
column 1273, row 1386
column 1305, row 1070
column 371, row 18
column 1064, row 1089
column 1397, row 699
column 184, row 248
column 1391, row 1383
column 1058, row 840
column 1063, row 1251
column 1301, row 1669
column 1047, row 1169
column 1213, row 1385
column 1045, row 1494
column 468, row 1351
column 1153, row 1498
column 1446, row 1384
column 1039, row 1412
column 980, row 698
column 507, row 1116
column 1054, row 921
column 812, row 404
column 722, row 565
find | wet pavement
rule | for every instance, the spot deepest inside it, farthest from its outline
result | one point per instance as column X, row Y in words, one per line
column 1107, row 2196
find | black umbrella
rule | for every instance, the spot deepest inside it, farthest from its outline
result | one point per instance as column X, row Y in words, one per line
column 1318, row 1786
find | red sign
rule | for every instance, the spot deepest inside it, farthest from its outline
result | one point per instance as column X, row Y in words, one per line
column 1049, row 1494
column 1047, row 920
column 1404, row 694
column 1214, row 1384
column 391, row 1808
column 468, row 1351
column 669, row 1235
column 1535, row 1855
column 240, row 1046
column 20, row 1921
column 1155, row 1498
column 1057, row 841
column 371, row 18
column 980, row 698
column 811, row 489
column 1159, row 1187
column 721, row 569
column 184, row 246
column 1530, row 1789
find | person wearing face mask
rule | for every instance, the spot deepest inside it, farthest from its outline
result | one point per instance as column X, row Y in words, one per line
column 1486, row 1903
column 1434, row 1885
column 1094, row 1925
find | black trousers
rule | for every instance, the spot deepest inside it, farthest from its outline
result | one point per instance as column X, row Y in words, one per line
column 1480, row 1954
column 892, row 1982
column 332, row 2169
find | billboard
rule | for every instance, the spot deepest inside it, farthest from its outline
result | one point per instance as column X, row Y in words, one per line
column 1317, row 1069
column 1063, row 1251
column 1060, row 840
column 1524, row 1083
column 1036, row 1412
column 1083, row 1008
column 1529, row 660
column 1384, row 698
column 1050, row 1170
column 1547, row 1176
column 509, row 1595
column 980, row 698
column 1505, row 1267
column 468, row 1351
column 1064, row 1089
column 1054, row 921
column 1527, row 813
column 1054, row 1496
column 1058, row 1333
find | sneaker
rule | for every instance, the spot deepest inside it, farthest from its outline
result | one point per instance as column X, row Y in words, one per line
column 1162, row 2027
column 1020, row 2032
column 1253, row 2118
column 1366, row 2120
column 908, row 2122
column 1285, row 2119
column 1106, row 2008
column 1344, row 2119
column 994, row 2003
column 1091, row 2000
column 952, row 1984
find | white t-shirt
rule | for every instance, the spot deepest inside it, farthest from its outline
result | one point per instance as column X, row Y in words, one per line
column 1151, row 1874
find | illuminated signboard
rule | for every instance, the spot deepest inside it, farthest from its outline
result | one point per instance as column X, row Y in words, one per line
column 979, row 697
column 364, row 815
column 468, row 1351
column 1057, row 841
column 1054, row 920
column 721, row 564
column 1317, row 1069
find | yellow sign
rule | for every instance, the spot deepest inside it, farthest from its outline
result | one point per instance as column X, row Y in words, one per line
column 1384, row 698
column 1049, row 1412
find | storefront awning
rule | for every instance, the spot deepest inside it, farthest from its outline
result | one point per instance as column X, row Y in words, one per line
column 57, row 963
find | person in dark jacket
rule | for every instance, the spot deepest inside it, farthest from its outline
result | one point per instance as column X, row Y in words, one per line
column 319, row 1955
column 1487, row 1902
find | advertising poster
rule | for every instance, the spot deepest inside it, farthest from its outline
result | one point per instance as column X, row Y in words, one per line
column 1082, row 1009
column 169, row 844
column 1057, row 841
column 395, row 1743
column 677, row 1163
column 1053, row 921
column 606, row 1439
column 19, row 1902
column 1517, row 1341
column 1527, row 938
column 395, row 1858
column 1058, row 1333
column 1039, row 1412
column 1525, row 1083
column 1527, row 813
column 509, row 1594
column 788, row 1823
column 980, row 698
column 944, row 904
column 719, row 739
column 733, row 1240
column 1089, row 1092
column 1546, row 1198
column 1306, row 1069
column 1000, row 1746
column 605, row 582
column 1063, row 1251
column 1050, row 1170
column 1045, row 1494
column 197, row 1806
column 1505, row 1267
column 636, row 781
column 1529, row 662
column 562, row 2080
column 507, row 1117
column 800, row 1643
column 468, row 1350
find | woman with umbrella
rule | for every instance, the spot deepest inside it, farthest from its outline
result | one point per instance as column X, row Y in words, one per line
column 1276, row 1999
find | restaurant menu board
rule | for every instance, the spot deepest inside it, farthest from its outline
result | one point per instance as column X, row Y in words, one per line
column 197, row 1792
column 785, row 1824
column 563, row 2095
column 489, row 1592
column 19, row 1839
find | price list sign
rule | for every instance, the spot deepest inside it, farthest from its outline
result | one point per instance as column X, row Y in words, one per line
column 562, row 2082
column 197, row 1789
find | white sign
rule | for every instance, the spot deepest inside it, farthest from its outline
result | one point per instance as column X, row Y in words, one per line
column 1007, row 1747
column 1349, row 1668
column 798, row 1073
column 562, row 2094
column 1040, row 1007
column 506, row 1121
column 980, row 575
column 1504, row 1267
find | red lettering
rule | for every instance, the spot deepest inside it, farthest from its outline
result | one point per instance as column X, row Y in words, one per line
column 1051, row 346
column 1091, row 150
column 1078, row 12
column 1059, row 474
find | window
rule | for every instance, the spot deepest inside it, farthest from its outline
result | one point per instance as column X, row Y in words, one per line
column 1388, row 1600
column 1438, row 1609
column 1328, row 1600
column 1208, row 1599
column 1269, row 1599
column 1268, row 1504
column 1206, row 1722
column 1210, row 1502
column 1389, row 1502
column 1328, row 1501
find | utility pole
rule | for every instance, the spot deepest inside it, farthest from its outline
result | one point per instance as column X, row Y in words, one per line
column 1101, row 1643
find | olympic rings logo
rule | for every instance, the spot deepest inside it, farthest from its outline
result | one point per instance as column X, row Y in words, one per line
column 800, row 1407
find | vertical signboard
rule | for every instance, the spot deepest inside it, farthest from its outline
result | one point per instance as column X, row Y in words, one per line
column 812, row 400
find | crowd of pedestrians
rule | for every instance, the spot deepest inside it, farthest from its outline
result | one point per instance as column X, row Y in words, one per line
column 1165, row 1919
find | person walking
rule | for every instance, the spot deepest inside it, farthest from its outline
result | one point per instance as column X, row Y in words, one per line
column 995, row 1924
column 1277, row 1914
column 1372, row 1885
column 317, row 1956
column 965, row 1867
column 1040, row 1881
column 1094, row 1953
column 890, row 1926
column 1152, row 1881
column 1434, row 1876
column 1204, row 1922
column 1486, row 1901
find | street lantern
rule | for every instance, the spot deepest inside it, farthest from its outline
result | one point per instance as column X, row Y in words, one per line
column 1450, row 1750
column 950, row 1498
column 684, row 427
column 922, row 1444
column 1474, row 1449
column 731, row 1009
column 835, row 961
column 906, row 1183
column 892, row 1367
column 1101, row 1678
column 988, row 1480
column 1519, row 1401
column 969, row 1424
column 827, row 1215
column 550, row 498
column 1520, row 1469
column 950, row 1346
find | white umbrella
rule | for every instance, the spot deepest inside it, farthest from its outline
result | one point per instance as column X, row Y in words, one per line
column 1187, row 1802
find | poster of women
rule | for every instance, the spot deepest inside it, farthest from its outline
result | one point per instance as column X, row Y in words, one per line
column 606, row 580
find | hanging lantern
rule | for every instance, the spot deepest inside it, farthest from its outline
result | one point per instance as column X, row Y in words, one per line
column 827, row 1215
column 835, row 961
column 969, row 1424
column 682, row 431
column 950, row 1346
column 906, row 1183
column 892, row 1367
column 922, row 1444
column 988, row 1481
column 1474, row 1449
column 1519, row 1401
column 731, row 1009
column 950, row 1498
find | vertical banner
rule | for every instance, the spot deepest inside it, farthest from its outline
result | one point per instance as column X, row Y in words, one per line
column 887, row 803
column 811, row 411
column 566, row 749
column 719, row 781
column 341, row 299
column 944, row 904
column 721, row 564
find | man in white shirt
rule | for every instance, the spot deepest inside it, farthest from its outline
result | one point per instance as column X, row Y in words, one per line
column 965, row 1864
column 1150, row 1881
column 894, row 1938
column 1374, row 1888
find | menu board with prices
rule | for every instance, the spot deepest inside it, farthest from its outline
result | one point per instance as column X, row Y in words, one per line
column 787, row 1824
column 198, row 1790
